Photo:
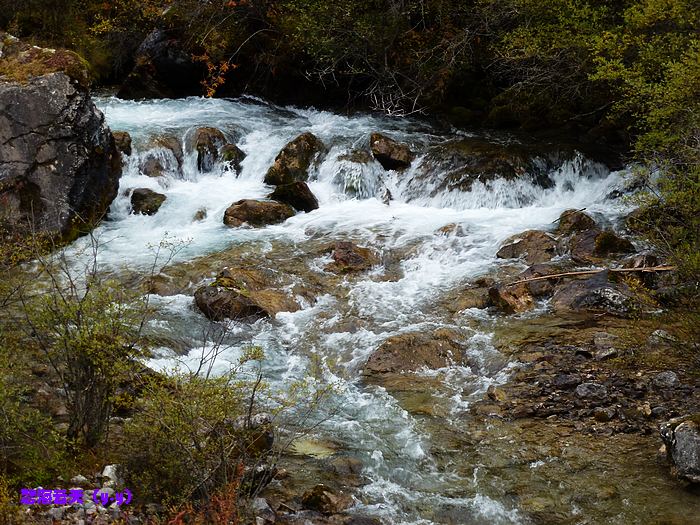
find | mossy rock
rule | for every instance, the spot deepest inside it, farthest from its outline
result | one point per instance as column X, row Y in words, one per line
column 20, row 62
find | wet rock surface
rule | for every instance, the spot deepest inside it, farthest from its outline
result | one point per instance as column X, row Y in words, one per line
column 391, row 154
column 296, row 194
column 682, row 441
column 232, row 155
column 243, row 294
column 414, row 351
column 597, row 293
column 534, row 246
column 122, row 141
column 293, row 162
column 146, row 202
column 257, row 213
column 348, row 257
column 206, row 142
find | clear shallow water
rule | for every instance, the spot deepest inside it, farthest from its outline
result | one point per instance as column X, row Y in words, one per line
column 407, row 482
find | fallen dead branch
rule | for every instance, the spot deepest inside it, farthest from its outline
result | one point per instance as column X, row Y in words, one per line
column 647, row 269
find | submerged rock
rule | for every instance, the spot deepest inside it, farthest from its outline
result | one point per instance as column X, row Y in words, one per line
column 293, row 162
column 296, row 194
column 533, row 245
column 472, row 297
column 542, row 287
column 146, row 202
column 257, row 213
column 242, row 294
column 413, row 351
column 122, row 140
column 390, row 154
column 348, row 257
column 682, row 439
column 59, row 165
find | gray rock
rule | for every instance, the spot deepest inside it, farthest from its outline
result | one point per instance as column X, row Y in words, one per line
column 79, row 480
column 591, row 391
column 682, row 439
column 566, row 381
column 263, row 511
column 594, row 294
column 660, row 337
column 59, row 165
column 56, row 513
column 111, row 473
column 668, row 379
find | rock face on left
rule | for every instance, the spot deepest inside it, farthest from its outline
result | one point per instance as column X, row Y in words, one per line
column 59, row 166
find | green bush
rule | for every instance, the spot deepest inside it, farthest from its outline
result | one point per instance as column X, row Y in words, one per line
column 193, row 434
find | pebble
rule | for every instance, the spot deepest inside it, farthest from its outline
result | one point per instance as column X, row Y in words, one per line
column 591, row 391
column 79, row 480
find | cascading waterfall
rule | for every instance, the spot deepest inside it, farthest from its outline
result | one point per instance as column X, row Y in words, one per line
column 407, row 484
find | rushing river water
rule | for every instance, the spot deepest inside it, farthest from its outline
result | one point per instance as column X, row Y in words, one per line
column 413, row 474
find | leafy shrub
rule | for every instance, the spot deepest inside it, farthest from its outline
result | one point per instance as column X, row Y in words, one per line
column 193, row 434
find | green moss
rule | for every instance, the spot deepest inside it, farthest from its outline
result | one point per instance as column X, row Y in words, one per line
column 31, row 62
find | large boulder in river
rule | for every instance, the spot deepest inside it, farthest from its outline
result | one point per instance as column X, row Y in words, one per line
column 163, row 69
column 206, row 142
column 257, row 213
column 59, row 166
column 458, row 164
column 146, row 202
column 296, row 194
column 242, row 294
column 414, row 351
column 681, row 437
column 293, row 162
column 533, row 245
column 390, row 154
